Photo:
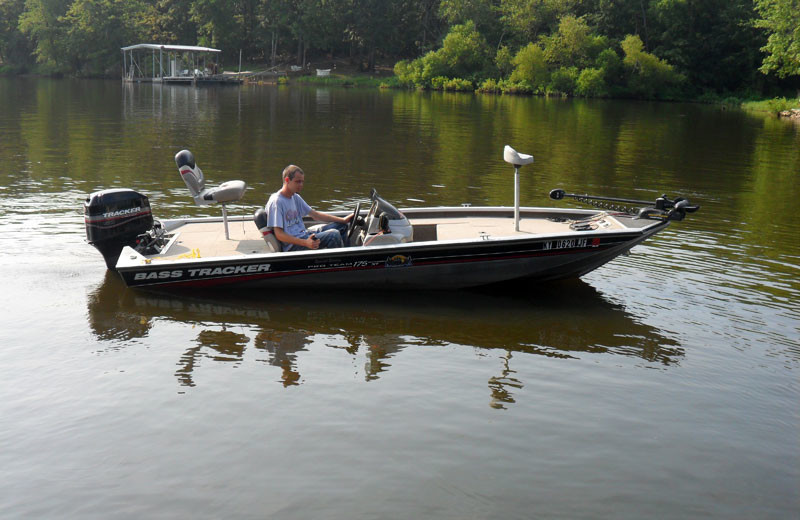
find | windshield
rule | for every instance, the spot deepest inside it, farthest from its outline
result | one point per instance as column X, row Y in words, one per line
column 380, row 206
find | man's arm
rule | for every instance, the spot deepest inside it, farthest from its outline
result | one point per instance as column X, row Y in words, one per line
column 324, row 217
column 286, row 238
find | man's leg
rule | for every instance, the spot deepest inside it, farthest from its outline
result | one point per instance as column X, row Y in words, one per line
column 329, row 239
column 341, row 228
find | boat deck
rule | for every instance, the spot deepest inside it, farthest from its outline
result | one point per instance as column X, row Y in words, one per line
column 207, row 239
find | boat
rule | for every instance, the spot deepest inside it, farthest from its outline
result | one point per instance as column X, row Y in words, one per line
column 391, row 248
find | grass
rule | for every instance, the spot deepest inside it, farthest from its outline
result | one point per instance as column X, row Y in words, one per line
column 772, row 106
column 336, row 80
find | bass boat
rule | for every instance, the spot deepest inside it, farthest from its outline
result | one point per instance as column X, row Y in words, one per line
column 387, row 247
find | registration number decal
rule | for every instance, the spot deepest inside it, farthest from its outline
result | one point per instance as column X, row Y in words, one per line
column 570, row 243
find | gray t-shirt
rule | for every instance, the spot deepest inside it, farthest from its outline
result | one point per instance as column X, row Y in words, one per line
column 287, row 214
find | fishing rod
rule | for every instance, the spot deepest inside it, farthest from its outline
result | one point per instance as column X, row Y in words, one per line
column 663, row 207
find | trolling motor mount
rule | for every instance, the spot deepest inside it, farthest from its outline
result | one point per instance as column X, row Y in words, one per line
column 663, row 208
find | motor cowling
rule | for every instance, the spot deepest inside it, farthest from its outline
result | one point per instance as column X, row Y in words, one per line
column 114, row 218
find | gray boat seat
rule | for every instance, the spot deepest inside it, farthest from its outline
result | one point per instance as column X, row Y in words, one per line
column 230, row 191
column 273, row 244
column 511, row 156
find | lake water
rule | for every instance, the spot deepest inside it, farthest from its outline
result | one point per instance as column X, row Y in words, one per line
column 663, row 385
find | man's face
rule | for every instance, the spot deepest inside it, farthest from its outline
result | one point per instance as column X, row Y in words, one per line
column 296, row 185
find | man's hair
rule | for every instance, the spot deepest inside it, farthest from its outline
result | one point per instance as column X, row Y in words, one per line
column 290, row 171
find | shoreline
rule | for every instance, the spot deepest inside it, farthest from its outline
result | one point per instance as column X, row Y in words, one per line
column 385, row 78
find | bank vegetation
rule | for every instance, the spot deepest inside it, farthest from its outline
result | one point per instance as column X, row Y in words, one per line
column 653, row 49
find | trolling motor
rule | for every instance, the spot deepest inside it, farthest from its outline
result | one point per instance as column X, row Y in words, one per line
column 663, row 207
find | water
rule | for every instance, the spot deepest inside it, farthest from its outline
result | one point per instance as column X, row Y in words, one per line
column 662, row 385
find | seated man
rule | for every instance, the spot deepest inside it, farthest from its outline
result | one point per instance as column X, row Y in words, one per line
column 286, row 209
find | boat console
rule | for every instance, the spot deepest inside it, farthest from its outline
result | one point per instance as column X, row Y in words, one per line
column 384, row 225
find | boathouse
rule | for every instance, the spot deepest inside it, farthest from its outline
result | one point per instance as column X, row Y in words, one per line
column 187, row 64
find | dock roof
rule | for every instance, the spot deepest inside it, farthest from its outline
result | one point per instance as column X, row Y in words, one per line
column 187, row 48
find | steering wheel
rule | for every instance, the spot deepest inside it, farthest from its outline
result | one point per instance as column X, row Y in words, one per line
column 351, row 228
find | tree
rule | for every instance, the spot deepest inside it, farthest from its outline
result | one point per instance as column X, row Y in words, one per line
column 650, row 76
column 464, row 54
column 530, row 66
column 779, row 18
column 464, row 51
column 170, row 22
column 15, row 48
column 87, row 22
column 527, row 19
column 480, row 12
column 229, row 25
column 712, row 42
column 573, row 44
column 42, row 22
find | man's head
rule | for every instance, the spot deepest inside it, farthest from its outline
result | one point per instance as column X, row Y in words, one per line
column 293, row 178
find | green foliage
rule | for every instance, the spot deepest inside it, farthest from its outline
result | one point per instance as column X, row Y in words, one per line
column 340, row 81
column 42, row 22
column 772, row 106
column 611, row 64
column 713, row 43
column 503, row 60
column 528, row 19
column 681, row 47
column 481, row 13
column 489, row 86
column 649, row 75
column 781, row 21
column 591, row 83
column 451, row 84
column 563, row 81
column 14, row 46
column 89, row 21
column 464, row 53
column 530, row 66
column 516, row 87
column 573, row 44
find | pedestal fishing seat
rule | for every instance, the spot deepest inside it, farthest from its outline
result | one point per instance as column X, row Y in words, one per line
column 517, row 160
column 227, row 192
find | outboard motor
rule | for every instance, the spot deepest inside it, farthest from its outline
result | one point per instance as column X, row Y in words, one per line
column 114, row 219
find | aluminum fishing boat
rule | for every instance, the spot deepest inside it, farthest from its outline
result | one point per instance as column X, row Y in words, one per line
column 431, row 248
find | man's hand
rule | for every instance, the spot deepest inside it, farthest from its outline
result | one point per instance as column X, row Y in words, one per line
column 312, row 242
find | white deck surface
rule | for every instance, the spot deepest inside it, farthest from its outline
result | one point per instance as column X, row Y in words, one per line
column 207, row 239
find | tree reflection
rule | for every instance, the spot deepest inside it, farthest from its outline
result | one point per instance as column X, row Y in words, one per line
column 282, row 347
column 216, row 345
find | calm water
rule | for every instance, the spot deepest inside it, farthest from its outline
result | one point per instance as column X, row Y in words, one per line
column 664, row 385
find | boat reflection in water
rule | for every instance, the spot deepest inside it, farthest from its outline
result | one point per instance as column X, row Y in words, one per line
column 564, row 320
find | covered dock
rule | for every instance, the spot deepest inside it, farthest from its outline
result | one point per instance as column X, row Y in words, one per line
column 186, row 64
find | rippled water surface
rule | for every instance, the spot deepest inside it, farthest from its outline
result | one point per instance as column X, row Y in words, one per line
column 663, row 385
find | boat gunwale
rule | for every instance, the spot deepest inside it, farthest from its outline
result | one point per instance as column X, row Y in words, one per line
column 130, row 260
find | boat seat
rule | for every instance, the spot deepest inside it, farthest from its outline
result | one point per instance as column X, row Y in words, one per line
column 512, row 156
column 192, row 175
column 230, row 191
column 273, row 244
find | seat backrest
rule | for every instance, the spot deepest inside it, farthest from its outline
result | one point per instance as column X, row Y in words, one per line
column 273, row 244
column 191, row 174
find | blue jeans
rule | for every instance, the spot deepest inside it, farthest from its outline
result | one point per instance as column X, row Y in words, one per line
column 330, row 235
